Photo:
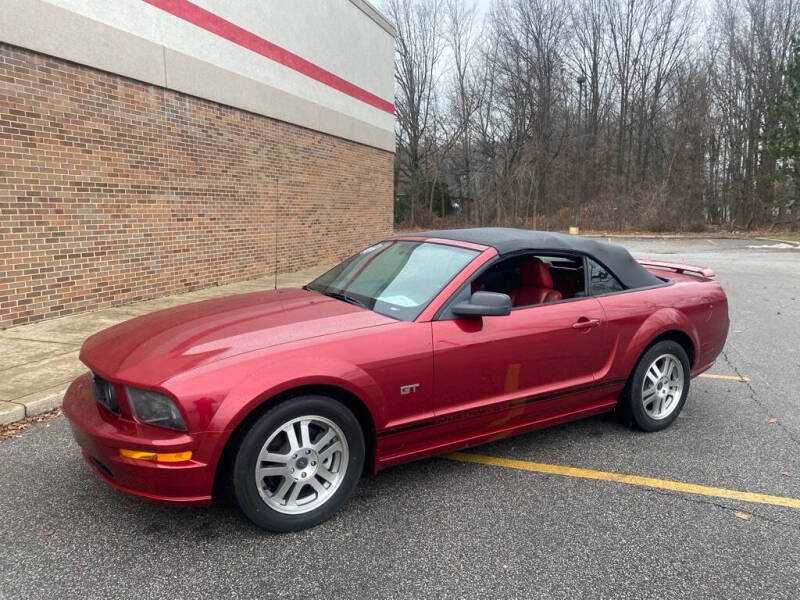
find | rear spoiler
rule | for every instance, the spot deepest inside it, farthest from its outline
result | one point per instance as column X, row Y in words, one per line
column 677, row 267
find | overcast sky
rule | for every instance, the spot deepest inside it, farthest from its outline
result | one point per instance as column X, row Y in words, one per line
column 482, row 6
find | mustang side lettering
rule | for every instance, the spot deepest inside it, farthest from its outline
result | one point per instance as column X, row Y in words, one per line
column 421, row 344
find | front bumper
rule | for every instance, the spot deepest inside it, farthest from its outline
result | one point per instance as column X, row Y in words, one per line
column 101, row 434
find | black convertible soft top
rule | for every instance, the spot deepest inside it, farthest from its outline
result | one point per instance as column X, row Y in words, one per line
column 507, row 240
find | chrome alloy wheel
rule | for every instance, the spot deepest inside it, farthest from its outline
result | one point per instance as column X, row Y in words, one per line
column 301, row 464
column 662, row 387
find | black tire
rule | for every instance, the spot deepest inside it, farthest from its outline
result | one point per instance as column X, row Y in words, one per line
column 631, row 402
column 242, row 475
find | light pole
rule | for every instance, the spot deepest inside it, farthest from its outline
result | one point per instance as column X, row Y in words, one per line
column 576, row 209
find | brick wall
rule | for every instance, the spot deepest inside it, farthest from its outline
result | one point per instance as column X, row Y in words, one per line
column 113, row 191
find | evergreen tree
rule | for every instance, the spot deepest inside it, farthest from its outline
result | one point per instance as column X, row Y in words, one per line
column 783, row 139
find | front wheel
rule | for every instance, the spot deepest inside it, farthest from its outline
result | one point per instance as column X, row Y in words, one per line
column 298, row 463
column 657, row 390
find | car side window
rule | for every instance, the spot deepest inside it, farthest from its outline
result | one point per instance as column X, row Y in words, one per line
column 529, row 280
column 601, row 279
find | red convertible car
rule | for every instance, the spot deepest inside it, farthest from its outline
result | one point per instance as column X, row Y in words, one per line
column 421, row 344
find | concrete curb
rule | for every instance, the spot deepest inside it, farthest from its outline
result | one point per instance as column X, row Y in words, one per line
column 11, row 412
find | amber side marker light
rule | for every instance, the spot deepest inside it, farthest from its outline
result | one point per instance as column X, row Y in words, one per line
column 156, row 456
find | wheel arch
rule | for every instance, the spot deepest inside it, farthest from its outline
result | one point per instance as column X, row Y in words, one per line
column 356, row 405
column 663, row 324
column 678, row 336
column 675, row 335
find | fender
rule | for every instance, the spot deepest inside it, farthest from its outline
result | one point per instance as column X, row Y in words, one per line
column 289, row 373
column 658, row 323
column 282, row 375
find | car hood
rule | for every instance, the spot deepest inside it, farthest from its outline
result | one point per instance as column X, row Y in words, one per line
column 152, row 348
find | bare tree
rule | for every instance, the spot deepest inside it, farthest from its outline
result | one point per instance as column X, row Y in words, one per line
column 461, row 41
column 677, row 111
column 752, row 43
column 419, row 49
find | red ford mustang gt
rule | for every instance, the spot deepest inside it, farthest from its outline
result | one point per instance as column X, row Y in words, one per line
column 418, row 345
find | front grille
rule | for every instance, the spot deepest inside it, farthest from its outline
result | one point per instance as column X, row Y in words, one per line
column 104, row 393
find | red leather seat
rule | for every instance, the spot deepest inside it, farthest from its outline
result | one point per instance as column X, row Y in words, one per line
column 537, row 284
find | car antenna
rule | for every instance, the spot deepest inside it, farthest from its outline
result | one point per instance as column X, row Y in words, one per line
column 277, row 198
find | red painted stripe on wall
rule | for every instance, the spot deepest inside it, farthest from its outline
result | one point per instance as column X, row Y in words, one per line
column 215, row 24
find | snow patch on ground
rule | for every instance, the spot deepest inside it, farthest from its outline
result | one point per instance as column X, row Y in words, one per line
column 779, row 246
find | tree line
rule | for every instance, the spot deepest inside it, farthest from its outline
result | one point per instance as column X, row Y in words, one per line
column 648, row 114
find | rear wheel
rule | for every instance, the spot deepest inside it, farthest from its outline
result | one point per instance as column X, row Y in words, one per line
column 298, row 463
column 658, row 387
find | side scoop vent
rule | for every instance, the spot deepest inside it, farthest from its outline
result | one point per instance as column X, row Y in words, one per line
column 104, row 393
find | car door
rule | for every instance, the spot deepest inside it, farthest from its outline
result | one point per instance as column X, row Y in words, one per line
column 495, row 372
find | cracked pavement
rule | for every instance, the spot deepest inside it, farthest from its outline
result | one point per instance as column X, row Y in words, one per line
column 444, row 529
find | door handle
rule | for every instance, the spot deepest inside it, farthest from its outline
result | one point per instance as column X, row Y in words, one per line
column 584, row 323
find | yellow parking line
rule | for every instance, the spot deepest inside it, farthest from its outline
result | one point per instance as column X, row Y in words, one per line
column 728, row 377
column 661, row 484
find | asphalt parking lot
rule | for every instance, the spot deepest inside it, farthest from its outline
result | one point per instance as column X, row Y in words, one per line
column 450, row 529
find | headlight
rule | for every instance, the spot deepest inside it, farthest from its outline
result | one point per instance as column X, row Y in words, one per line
column 155, row 409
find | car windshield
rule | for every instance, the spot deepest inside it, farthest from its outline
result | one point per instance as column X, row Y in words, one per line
column 394, row 278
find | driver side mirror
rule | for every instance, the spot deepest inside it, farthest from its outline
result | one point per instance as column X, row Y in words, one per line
column 484, row 304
